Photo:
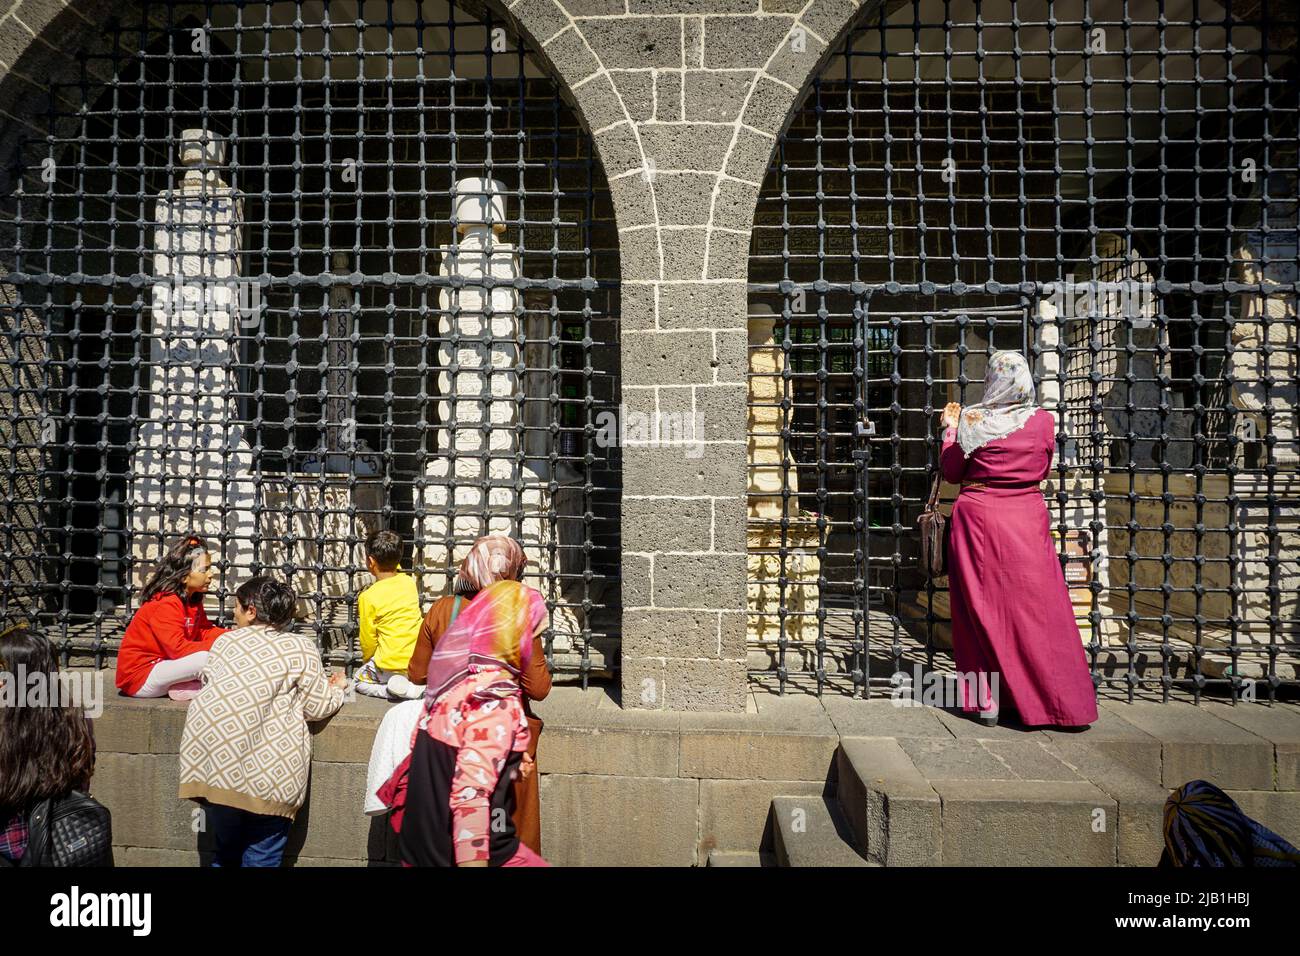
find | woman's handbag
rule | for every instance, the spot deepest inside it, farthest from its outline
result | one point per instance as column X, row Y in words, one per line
column 75, row 830
column 934, row 536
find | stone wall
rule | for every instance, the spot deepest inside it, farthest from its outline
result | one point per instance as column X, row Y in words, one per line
column 617, row 789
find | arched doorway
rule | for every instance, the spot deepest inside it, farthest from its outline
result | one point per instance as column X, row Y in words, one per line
column 950, row 167
column 309, row 270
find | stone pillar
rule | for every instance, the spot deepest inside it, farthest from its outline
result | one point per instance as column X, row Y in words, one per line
column 1265, row 335
column 772, row 469
column 482, row 480
column 192, row 467
column 1084, row 544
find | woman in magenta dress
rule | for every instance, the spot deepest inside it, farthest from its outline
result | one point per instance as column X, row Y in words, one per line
column 1011, row 611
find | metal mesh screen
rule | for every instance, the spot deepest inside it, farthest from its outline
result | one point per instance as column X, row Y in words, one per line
column 285, row 274
column 1109, row 187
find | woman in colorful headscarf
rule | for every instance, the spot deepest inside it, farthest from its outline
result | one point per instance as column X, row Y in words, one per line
column 1205, row 827
column 493, row 558
column 456, row 793
column 1014, row 635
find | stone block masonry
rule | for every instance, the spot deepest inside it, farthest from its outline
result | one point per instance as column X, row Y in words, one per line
column 685, row 99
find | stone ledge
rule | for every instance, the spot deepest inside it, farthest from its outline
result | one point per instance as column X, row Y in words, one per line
column 1140, row 801
column 663, row 788
column 1009, row 822
column 1196, row 743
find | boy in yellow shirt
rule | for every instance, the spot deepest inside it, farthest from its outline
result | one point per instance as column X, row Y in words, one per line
column 389, row 613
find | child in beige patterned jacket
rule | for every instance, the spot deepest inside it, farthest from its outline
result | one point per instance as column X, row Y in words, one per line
column 246, row 750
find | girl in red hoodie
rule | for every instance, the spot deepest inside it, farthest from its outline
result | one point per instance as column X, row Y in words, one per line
column 166, row 644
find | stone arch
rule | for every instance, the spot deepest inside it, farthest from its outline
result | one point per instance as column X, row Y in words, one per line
column 42, row 65
column 43, row 39
column 810, row 39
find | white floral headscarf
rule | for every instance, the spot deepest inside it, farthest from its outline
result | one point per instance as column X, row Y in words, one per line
column 1008, row 403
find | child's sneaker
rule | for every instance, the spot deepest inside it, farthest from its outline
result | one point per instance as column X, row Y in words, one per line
column 185, row 690
column 400, row 686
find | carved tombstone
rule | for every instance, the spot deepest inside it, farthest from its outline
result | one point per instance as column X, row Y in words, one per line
column 192, row 466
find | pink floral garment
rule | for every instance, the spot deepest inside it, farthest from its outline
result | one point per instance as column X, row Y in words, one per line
column 484, row 732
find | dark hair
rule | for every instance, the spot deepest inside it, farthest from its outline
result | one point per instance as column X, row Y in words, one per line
column 386, row 548
column 173, row 568
column 273, row 600
column 44, row 751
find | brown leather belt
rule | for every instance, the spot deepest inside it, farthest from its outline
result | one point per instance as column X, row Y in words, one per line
column 973, row 484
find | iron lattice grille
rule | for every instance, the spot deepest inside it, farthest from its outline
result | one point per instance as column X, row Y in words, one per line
column 375, row 285
column 1107, row 185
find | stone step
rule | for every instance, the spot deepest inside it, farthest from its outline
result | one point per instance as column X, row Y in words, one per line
column 810, row 831
column 739, row 858
column 892, row 811
column 1009, row 800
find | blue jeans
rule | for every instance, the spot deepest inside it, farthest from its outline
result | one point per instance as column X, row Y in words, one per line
column 241, row 838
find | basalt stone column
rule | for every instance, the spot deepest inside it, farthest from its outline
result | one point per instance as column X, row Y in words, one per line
column 685, row 99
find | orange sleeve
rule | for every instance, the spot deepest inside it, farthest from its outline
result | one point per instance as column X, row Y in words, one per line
column 536, row 679
column 435, row 622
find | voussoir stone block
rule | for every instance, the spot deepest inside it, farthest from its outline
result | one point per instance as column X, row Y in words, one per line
column 542, row 18
column 571, row 57
column 828, row 18
column 750, row 155
column 640, row 43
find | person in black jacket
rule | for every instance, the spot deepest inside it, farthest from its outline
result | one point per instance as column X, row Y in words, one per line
column 47, row 756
